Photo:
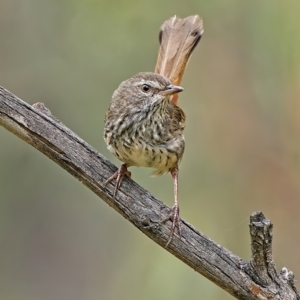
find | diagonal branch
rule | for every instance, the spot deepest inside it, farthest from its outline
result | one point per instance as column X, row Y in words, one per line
column 256, row 279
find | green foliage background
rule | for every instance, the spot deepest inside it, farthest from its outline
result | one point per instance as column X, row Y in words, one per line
column 57, row 239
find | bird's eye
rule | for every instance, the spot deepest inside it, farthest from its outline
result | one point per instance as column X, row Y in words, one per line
column 145, row 88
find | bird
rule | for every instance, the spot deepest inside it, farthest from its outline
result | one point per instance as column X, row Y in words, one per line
column 143, row 126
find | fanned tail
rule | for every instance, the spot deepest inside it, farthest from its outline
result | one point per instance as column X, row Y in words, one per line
column 178, row 38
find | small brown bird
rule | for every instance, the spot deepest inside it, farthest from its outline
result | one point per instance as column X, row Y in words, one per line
column 144, row 124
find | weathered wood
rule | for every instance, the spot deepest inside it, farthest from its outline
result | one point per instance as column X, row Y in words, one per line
column 256, row 279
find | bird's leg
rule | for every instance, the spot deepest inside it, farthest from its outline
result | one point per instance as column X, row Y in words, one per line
column 174, row 215
column 119, row 177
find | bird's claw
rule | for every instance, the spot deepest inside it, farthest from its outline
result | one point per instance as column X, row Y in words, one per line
column 174, row 216
column 119, row 175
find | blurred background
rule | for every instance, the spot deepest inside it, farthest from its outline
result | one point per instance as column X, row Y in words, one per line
column 57, row 239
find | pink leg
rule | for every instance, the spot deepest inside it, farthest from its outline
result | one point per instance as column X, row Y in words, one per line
column 119, row 177
column 174, row 215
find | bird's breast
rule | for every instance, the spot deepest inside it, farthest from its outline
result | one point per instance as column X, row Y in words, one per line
column 156, row 141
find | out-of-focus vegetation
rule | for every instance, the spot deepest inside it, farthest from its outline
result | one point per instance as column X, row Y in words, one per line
column 58, row 240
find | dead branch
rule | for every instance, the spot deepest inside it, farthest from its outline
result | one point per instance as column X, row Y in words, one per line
column 256, row 279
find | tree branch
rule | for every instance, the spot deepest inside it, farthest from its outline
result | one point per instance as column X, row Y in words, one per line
column 256, row 279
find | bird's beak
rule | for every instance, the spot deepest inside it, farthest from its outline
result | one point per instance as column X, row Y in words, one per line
column 171, row 89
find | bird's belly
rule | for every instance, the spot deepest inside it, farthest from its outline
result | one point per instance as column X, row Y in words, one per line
column 159, row 159
column 162, row 158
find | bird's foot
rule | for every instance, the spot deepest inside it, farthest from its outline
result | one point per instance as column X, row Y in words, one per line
column 174, row 217
column 119, row 175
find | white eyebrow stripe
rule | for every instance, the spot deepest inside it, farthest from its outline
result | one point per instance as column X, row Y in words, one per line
column 152, row 83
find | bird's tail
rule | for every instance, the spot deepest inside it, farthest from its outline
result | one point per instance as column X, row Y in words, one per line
column 178, row 38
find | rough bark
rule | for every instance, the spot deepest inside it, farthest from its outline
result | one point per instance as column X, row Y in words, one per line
column 254, row 279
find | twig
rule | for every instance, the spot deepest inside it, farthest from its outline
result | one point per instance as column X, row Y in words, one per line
column 256, row 279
